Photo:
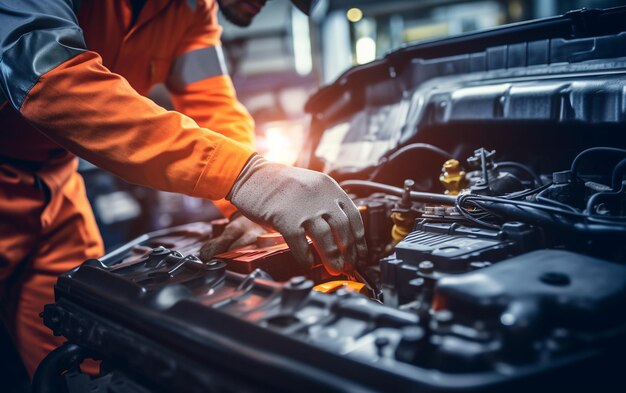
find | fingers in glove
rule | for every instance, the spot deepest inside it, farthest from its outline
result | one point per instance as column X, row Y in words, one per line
column 342, row 233
column 324, row 241
column 299, row 247
column 356, row 227
column 214, row 247
column 248, row 237
column 222, row 243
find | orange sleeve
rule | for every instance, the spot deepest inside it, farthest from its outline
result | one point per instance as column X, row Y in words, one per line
column 212, row 102
column 97, row 115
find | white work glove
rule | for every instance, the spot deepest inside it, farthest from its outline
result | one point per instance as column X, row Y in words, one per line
column 239, row 232
column 298, row 203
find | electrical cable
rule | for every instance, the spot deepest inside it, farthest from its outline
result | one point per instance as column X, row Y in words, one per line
column 582, row 154
column 528, row 192
column 541, row 218
column 451, row 200
column 618, row 175
column 525, row 168
column 419, row 146
column 617, row 188
column 488, row 212
column 462, row 211
column 550, row 209
column 606, row 224
column 405, row 149
column 542, row 198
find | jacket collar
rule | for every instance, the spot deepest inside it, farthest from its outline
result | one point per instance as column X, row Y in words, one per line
column 151, row 9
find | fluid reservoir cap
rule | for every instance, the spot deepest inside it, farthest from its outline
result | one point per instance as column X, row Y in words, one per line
column 269, row 239
column 453, row 177
column 452, row 166
column 338, row 285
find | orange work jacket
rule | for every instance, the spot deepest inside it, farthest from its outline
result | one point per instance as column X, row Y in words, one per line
column 74, row 75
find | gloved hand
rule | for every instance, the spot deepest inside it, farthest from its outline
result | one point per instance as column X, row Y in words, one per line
column 239, row 232
column 298, row 202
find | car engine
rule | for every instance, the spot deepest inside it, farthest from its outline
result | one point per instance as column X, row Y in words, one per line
column 504, row 285
column 496, row 231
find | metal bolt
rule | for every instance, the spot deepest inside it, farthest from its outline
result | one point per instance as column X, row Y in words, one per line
column 426, row 267
column 406, row 195
column 417, row 282
column 296, row 281
column 381, row 343
column 443, row 317
column 412, row 334
column 479, row 265
column 342, row 293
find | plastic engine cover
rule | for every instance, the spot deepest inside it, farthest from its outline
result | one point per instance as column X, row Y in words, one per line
column 169, row 322
column 545, row 288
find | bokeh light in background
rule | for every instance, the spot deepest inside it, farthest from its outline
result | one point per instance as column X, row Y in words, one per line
column 346, row 29
column 365, row 50
column 301, row 39
column 354, row 15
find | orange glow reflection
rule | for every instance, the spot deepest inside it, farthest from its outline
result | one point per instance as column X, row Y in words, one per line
column 281, row 141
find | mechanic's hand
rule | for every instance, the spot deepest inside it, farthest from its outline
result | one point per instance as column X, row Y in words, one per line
column 239, row 232
column 298, row 202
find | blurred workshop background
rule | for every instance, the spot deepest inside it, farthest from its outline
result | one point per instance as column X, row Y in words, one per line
column 279, row 60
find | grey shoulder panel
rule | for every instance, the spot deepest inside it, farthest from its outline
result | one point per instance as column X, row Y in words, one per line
column 195, row 66
column 34, row 54
column 35, row 37
column 192, row 4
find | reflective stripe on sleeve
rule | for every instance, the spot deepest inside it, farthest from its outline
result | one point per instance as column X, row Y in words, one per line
column 195, row 66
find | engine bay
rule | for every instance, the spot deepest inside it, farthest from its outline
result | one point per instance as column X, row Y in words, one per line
column 504, row 280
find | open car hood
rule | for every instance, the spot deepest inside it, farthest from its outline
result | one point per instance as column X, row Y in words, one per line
column 547, row 70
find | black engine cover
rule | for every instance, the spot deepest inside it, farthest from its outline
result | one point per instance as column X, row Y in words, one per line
column 169, row 322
